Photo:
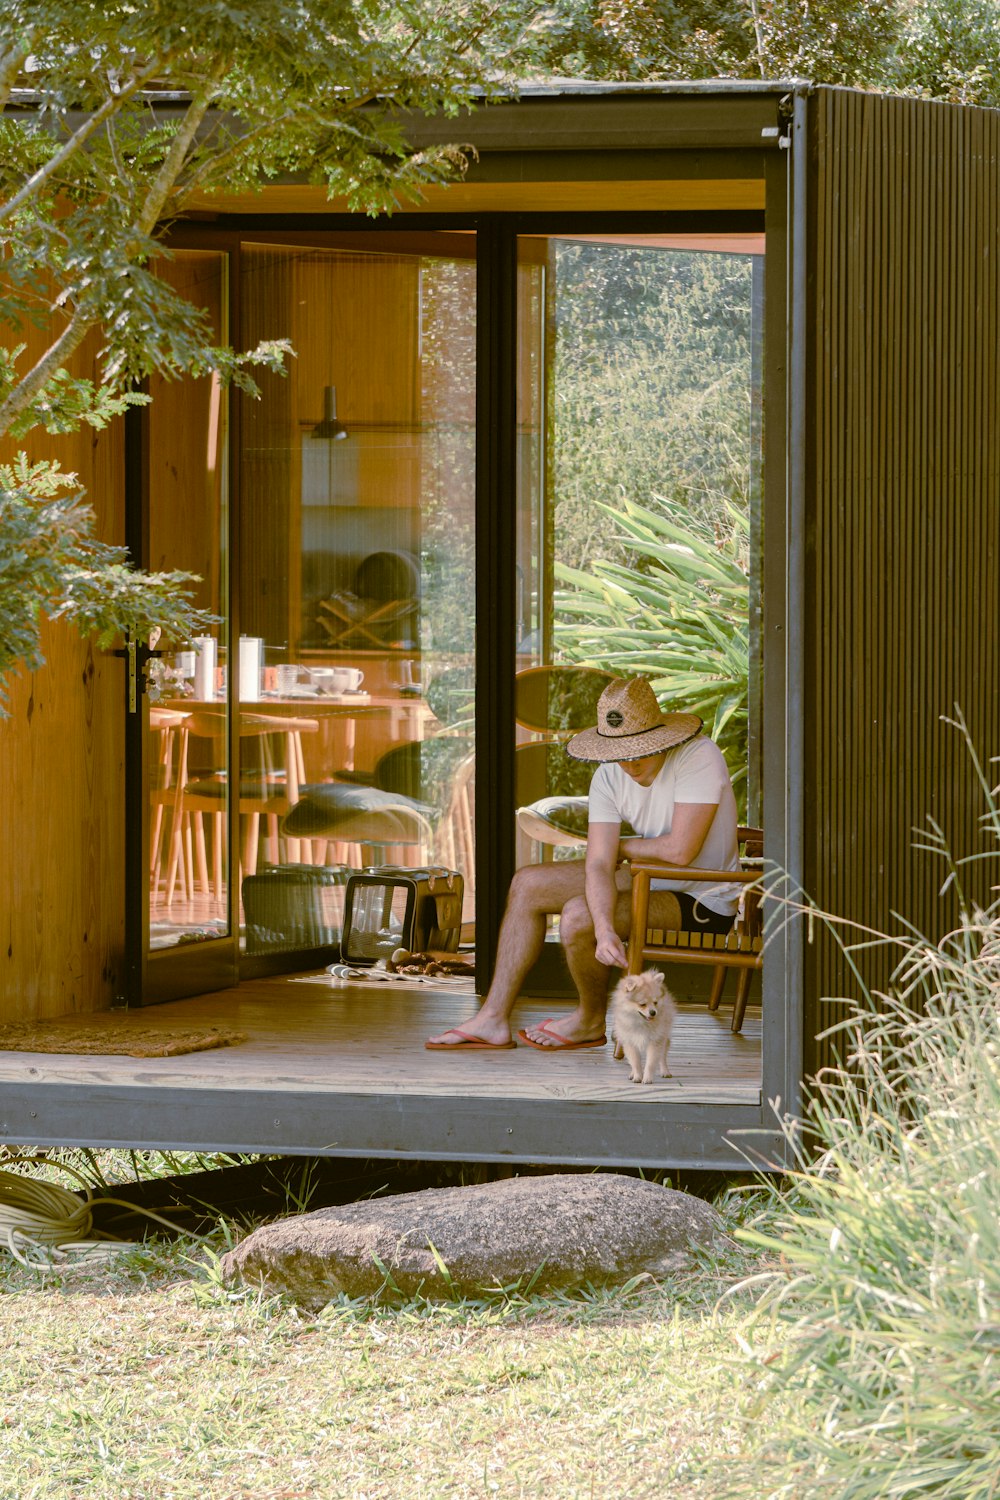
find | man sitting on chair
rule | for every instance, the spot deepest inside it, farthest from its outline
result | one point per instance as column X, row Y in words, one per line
column 660, row 774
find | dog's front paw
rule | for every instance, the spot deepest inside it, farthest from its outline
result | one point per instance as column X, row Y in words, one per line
column 635, row 1077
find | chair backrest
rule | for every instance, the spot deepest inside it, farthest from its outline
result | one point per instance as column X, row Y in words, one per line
column 558, row 700
column 261, row 757
column 423, row 769
column 751, row 842
column 750, row 918
column 451, row 694
column 455, row 835
column 543, row 769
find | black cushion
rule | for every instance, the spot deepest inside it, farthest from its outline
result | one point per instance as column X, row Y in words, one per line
column 329, row 804
column 567, row 814
column 570, row 815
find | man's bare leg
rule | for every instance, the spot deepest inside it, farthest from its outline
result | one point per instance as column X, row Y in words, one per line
column 576, row 929
column 535, row 892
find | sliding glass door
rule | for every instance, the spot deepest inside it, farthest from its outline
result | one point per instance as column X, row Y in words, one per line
column 187, row 928
column 639, row 369
column 326, row 723
column 356, row 576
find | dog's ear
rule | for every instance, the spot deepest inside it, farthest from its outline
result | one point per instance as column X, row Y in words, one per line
column 658, row 978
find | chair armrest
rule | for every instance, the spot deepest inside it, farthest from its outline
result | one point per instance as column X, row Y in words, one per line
column 657, row 870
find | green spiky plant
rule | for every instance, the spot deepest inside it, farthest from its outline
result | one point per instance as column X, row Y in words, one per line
column 879, row 1319
column 678, row 613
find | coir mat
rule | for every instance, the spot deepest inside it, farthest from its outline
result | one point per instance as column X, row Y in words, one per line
column 111, row 1040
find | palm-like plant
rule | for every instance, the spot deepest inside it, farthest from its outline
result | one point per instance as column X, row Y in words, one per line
column 679, row 615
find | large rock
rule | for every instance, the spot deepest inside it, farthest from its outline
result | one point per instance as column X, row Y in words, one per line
column 601, row 1228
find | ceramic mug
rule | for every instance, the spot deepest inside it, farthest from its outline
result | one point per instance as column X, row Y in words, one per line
column 347, row 679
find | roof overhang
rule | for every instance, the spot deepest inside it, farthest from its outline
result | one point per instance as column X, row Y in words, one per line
column 565, row 146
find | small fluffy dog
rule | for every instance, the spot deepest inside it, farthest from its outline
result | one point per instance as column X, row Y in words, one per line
column 641, row 1017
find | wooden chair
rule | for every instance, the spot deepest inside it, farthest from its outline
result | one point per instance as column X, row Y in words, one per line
column 168, row 732
column 268, row 790
column 741, row 949
column 552, row 703
column 455, row 834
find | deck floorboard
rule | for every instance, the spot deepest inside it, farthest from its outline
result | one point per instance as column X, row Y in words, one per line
column 312, row 1033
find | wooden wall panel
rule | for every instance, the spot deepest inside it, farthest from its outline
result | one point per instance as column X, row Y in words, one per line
column 354, row 323
column 903, row 513
column 187, row 447
column 62, row 809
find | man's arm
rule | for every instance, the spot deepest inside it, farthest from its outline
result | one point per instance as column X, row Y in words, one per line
column 691, row 823
column 602, row 893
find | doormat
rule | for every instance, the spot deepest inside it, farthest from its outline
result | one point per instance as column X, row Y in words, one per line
column 112, row 1041
column 334, row 974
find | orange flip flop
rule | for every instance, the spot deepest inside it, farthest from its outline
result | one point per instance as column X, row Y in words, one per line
column 468, row 1043
column 559, row 1043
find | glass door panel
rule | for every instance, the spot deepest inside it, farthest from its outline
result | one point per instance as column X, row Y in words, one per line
column 186, row 706
column 638, row 431
column 356, row 577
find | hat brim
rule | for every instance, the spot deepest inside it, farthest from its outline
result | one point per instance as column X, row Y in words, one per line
column 675, row 730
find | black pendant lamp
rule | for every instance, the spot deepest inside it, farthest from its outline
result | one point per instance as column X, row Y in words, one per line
column 329, row 428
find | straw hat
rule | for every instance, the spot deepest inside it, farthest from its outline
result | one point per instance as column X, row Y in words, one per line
column 631, row 724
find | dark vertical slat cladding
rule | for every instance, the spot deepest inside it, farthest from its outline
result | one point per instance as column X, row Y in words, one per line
column 904, row 486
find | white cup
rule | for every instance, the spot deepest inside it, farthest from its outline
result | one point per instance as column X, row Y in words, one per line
column 322, row 679
column 347, row 679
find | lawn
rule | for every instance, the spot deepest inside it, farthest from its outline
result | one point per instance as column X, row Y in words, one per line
column 146, row 1378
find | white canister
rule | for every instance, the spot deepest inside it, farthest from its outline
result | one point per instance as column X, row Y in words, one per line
column 204, row 668
column 251, row 667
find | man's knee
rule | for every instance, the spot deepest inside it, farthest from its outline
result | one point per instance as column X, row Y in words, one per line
column 530, row 886
column 575, row 922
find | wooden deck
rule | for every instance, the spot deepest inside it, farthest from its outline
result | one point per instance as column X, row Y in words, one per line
column 315, row 1033
column 335, row 1067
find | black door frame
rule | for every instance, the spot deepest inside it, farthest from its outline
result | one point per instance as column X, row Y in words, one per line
column 202, row 967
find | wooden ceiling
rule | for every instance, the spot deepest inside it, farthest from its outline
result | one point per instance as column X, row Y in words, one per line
column 684, row 195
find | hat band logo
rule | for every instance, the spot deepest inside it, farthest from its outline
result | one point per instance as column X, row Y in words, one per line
column 615, row 719
column 632, row 734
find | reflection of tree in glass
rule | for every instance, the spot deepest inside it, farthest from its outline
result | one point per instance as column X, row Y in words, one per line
column 651, row 386
column 447, row 400
column 677, row 612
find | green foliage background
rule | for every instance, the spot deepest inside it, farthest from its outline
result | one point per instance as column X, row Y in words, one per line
column 653, row 458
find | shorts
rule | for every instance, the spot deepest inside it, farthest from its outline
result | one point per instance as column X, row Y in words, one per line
column 698, row 918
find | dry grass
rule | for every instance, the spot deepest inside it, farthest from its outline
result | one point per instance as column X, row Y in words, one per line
column 148, row 1380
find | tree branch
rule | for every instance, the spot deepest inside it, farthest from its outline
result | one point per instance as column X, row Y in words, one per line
column 11, row 64
column 79, row 138
column 184, row 190
column 172, row 163
column 52, row 360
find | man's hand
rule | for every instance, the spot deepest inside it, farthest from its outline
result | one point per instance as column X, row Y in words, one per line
column 610, row 950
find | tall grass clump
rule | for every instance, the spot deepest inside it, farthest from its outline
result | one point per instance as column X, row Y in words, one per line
column 886, row 1299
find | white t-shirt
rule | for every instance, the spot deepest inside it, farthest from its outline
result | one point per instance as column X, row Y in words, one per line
column 695, row 772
